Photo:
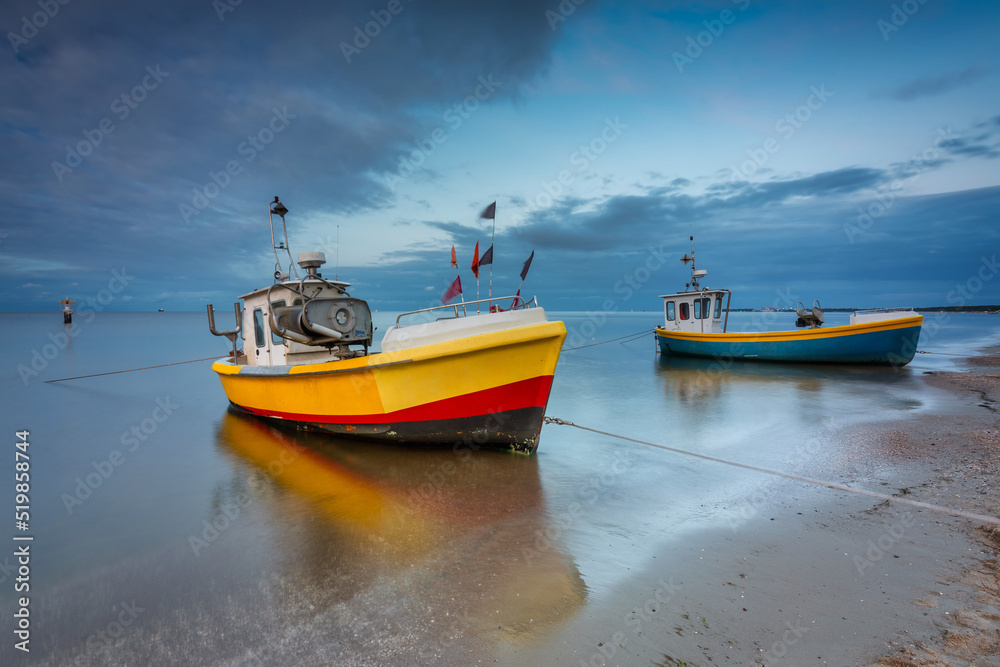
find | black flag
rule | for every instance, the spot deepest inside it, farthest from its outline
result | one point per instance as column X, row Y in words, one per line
column 487, row 257
column 490, row 212
column 527, row 265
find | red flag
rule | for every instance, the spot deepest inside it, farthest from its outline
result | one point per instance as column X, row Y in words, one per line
column 490, row 212
column 475, row 261
column 487, row 257
column 527, row 265
column 453, row 291
column 454, row 260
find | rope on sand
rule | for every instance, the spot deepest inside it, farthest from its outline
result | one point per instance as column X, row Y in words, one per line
column 798, row 478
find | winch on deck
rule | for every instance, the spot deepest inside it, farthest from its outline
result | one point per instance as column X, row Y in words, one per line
column 321, row 320
column 812, row 317
column 296, row 319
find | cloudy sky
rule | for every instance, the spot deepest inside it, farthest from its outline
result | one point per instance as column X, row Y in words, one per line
column 842, row 150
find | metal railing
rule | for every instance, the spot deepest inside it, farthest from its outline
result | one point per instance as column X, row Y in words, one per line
column 883, row 310
column 231, row 334
column 517, row 303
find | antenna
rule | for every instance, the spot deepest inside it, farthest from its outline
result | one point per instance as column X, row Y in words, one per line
column 277, row 208
column 336, row 273
column 695, row 275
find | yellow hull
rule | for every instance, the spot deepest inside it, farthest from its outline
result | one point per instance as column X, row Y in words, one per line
column 491, row 388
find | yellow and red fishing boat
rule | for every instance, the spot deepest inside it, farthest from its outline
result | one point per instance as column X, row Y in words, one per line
column 442, row 375
column 696, row 322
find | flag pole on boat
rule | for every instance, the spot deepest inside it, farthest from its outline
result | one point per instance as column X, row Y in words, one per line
column 524, row 273
column 490, row 213
column 475, row 270
column 458, row 281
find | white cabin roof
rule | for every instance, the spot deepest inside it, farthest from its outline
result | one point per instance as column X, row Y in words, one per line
column 294, row 283
column 703, row 291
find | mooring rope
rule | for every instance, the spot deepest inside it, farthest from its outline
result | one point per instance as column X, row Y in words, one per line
column 130, row 370
column 631, row 337
column 798, row 478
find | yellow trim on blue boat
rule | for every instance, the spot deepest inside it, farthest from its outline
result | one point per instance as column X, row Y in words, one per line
column 800, row 334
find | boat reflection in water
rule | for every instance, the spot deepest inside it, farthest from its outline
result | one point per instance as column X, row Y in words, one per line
column 812, row 394
column 691, row 380
column 452, row 533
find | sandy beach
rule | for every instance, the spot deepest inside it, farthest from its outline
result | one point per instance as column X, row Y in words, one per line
column 596, row 552
column 812, row 576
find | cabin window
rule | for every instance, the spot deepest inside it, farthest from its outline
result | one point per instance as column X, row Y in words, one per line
column 670, row 311
column 718, row 306
column 702, row 308
column 275, row 338
column 258, row 326
column 685, row 310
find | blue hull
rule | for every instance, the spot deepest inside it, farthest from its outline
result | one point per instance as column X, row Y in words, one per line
column 895, row 346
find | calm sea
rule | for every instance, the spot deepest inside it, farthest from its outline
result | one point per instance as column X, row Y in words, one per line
column 168, row 530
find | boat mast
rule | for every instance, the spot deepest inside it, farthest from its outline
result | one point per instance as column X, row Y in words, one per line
column 277, row 208
column 493, row 240
column 690, row 258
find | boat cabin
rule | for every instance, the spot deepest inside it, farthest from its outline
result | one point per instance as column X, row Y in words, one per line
column 697, row 309
column 303, row 320
column 282, row 328
column 702, row 311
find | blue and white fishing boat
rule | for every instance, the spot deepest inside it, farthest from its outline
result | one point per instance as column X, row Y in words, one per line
column 696, row 321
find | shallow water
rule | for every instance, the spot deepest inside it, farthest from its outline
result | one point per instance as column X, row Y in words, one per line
column 221, row 540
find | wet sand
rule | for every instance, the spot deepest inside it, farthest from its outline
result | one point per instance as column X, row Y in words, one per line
column 810, row 576
column 342, row 555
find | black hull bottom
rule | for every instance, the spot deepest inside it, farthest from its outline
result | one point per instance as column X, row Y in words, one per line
column 513, row 430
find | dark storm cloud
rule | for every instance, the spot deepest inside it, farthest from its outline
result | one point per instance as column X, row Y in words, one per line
column 838, row 182
column 221, row 109
column 912, row 255
column 981, row 140
column 929, row 86
column 616, row 221
column 994, row 122
column 807, row 234
column 853, row 236
column 972, row 148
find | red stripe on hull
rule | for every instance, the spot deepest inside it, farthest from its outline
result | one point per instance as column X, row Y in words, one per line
column 531, row 393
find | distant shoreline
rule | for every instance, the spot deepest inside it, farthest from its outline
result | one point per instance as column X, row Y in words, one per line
column 986, row 310
column 989, row 310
